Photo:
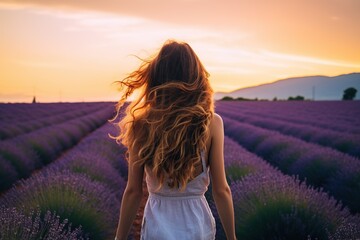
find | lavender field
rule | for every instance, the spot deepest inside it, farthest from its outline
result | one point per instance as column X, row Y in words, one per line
column 293, row 167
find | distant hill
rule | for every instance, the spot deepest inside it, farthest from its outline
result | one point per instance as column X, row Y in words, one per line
column 325, row 88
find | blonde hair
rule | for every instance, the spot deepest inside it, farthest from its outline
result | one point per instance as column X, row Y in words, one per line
column 168, row 122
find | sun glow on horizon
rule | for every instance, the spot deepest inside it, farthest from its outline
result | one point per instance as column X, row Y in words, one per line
column 72, row 54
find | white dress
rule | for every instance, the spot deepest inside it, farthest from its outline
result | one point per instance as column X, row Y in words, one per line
column 170, row 214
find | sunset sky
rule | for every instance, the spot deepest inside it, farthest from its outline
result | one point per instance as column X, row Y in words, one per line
column 73, row 50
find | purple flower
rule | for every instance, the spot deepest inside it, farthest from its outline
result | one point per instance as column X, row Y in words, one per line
column 274, row 206
column 72, row 196
column 16, row 225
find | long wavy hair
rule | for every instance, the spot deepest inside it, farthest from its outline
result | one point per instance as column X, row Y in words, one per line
column 168, row 122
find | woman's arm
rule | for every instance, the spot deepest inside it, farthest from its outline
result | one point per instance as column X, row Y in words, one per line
column 220, row 189
column 131, row 198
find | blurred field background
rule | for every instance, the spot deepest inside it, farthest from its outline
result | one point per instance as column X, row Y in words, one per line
column 293, row 167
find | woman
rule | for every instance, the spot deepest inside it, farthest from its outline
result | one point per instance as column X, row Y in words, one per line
column 174, row 136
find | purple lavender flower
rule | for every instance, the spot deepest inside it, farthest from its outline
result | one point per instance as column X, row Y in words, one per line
column 16, row 225
column 72, row 196
column 93, row 166
column 239, row 162
column 344, row 142
column 345, row 185
column 27, row 152
column 8, row 174
column 294, row 156
column 24, row 159
column 275, row 206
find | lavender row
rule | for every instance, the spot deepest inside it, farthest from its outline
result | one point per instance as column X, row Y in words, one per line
column 22, row 112
column 270, row 205
column 345, row 112
column 323, row 167
column 9, row 129
column 21, row 155
column 343, row 142
column 83, row 188
column 288, row 112
column 286, row 109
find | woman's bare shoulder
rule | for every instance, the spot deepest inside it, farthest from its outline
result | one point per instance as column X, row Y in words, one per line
column 216, row 126
column 216, row 121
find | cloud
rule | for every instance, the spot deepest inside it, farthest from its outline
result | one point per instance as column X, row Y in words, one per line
column 241, row 60
column 307, row 59
column 230, row 70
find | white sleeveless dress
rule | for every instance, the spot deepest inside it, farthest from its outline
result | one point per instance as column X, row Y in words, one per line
column 170, row 214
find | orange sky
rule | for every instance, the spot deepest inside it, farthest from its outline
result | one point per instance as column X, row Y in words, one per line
column 73, row 50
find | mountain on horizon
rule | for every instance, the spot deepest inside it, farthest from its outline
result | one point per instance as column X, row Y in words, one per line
column 311, row 87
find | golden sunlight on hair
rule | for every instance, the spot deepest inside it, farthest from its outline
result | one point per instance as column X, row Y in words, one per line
column 167, row 123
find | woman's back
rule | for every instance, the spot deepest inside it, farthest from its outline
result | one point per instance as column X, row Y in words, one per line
column 174, row 214
column 196, row 187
